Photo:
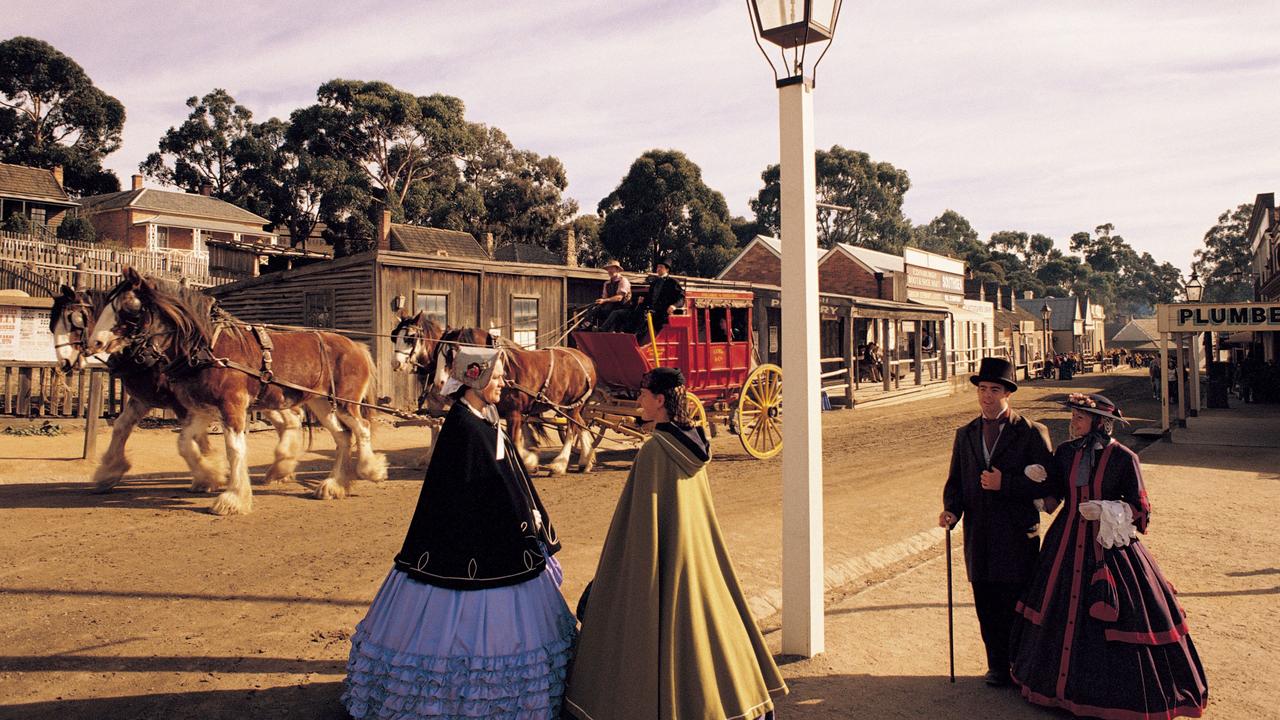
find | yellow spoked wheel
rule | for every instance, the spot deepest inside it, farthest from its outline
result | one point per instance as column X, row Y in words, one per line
column 694, row 411
column 759, row 413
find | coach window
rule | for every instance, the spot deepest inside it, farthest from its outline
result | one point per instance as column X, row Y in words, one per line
column 434, row 304
column 524, row 321
column 317, row 308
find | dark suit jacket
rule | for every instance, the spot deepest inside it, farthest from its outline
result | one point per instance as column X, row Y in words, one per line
column 997, row 522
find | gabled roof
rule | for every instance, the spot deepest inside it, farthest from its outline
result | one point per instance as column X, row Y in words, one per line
column 28, row 183
column 527, row 252
column 175, row 203
column 435, row 241
column 1065, row 310
column 1137, row 330
column 772, row 244
column 877, row 261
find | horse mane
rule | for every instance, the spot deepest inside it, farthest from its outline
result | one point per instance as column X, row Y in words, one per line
column 192, row 313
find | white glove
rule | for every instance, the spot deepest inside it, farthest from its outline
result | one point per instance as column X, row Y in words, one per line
column 1035, row 473
column 1116, row 528
column 1091, row 509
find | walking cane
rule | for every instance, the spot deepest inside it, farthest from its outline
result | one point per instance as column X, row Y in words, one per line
column 951, row 635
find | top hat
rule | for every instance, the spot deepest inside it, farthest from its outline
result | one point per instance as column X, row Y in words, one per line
column 1095, row 404
column 996, row 370
column 666, row 261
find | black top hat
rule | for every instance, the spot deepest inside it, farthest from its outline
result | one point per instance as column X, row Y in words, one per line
column 662, row 379
column 1096, row 404
column 996, row 370
column 663, row 261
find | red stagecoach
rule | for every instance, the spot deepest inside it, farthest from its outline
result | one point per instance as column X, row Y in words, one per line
column 710, row 338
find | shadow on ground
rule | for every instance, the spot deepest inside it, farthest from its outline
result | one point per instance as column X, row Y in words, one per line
column 312, row 701
column 870, row 696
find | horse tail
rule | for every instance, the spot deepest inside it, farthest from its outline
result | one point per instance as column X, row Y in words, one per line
column 371, row 388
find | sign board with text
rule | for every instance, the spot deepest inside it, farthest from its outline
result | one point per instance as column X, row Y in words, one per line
column 1218, row 317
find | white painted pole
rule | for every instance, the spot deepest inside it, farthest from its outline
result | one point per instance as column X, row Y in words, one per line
column 1194, row 397
column 1164, row 382
column 803, row 626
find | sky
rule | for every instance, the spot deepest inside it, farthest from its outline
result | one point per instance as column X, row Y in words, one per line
column 1044, row 117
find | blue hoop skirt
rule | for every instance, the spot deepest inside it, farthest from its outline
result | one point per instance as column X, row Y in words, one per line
column 429, row 652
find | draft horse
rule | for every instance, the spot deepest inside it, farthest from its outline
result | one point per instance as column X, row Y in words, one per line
column 413, row 341
column 72, row 320
column 556, row 379
column 218, row 368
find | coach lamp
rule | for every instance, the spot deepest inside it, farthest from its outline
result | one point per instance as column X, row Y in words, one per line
column 793, row 25
column 1193, row 288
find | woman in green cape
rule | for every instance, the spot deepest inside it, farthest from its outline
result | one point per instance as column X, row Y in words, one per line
column 668, row 633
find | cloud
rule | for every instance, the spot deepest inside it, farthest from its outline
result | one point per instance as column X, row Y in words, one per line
column 1039, row 116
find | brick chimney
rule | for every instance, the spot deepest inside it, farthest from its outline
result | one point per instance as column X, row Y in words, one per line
column 1028, row 294
column 206, row 189
column 570, row 249
column 384, row 231
column 57, row 175
column 488, row 244
column 137, row 182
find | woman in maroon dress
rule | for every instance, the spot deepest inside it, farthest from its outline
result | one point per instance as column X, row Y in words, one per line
column 1100, row 632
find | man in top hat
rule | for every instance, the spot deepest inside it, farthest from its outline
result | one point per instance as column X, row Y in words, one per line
column 610, row 306
column 664, row 293
column 988, row 488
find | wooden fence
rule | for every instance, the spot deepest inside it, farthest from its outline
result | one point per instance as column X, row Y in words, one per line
column 38, row 390
column 91, row 265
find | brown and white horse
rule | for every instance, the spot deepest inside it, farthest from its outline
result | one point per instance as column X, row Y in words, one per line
column 199, row 355
column 537, row 381
column 413, row 342
column 71, row 321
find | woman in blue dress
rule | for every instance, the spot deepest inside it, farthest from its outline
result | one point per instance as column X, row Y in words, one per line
column 470, row 622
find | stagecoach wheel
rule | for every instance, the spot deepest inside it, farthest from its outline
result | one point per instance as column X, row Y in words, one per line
column 759, row 413
column 694, row 411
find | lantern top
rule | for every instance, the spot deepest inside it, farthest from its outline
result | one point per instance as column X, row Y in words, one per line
column 791, row 23
column 1194, row 288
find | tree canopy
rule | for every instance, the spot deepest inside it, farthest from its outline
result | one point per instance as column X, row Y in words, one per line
column 52, row 114
column 849, row 178
column 1225, row 261
column 662, row 208
column 213, row 147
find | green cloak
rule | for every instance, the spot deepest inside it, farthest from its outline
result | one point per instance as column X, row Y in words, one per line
column 667, row 632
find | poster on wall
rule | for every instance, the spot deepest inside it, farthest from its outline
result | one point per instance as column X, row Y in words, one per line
column 24, row 335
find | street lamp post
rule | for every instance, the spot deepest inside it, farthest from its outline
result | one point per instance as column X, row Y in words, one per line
column 1195, row 291
column 1046, row 313
column 795, row 26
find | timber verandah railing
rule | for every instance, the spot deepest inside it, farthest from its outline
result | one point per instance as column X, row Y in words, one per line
column 97, row 265
column 848, row 377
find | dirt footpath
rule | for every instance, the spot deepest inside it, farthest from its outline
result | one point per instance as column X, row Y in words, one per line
column 140, row 604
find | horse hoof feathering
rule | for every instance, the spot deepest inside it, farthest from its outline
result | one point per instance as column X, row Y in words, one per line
column 329, row 489
column 228, row 503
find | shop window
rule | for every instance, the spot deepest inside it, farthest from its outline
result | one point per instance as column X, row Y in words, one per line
column 434, row 304
column 317, row 308
column 524, row 321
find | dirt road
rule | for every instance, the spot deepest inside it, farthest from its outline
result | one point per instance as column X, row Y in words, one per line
column 140, row 604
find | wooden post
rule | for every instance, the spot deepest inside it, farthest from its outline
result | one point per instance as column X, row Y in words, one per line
column 24, row 392
column 942, row 349
column 1164, row 382
column 886, row 369
column 851, row 370
column 95, row 415
column 1193, row 397
column 1179, row 339
column 919, row 352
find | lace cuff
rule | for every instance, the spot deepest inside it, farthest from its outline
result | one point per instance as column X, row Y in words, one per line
column 1115, row 527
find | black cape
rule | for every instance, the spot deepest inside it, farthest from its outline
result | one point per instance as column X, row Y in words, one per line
column 474, row 526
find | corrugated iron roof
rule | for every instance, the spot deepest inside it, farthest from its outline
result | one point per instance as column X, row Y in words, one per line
column 1065, row 310
column 527, row 252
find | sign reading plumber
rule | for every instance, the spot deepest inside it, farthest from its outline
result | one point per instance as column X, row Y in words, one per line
column 1224, row 317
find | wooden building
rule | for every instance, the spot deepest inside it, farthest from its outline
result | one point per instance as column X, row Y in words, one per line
column 366, row 294
column 35, row 193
